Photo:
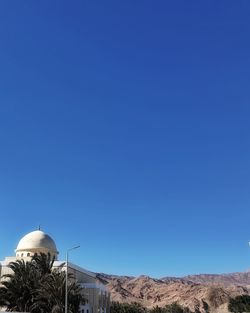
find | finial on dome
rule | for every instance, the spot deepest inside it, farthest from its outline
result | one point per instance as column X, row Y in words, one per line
column 39, row 227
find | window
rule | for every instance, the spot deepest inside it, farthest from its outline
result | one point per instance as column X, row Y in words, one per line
column 28, row 254
column 22, row 255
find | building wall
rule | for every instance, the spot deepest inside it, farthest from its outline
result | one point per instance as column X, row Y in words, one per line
column 96, row 295
column 97, row 300
column 20, row 254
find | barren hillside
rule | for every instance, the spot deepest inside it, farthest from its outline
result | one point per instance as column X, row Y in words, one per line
column 192, row 291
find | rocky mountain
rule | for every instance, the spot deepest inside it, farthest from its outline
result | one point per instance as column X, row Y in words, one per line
column 236, row 279
column 194, row 291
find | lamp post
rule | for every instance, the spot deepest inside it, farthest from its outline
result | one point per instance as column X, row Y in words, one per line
column 66, row 277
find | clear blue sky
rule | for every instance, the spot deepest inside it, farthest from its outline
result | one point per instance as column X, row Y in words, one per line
column 124, row 127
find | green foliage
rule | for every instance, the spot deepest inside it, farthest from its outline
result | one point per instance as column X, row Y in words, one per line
column 134, row 307
column 239, row 304
column 37, row 288
column 157, row 309
column 205, row 306
column 137, row 308
column 176, row 308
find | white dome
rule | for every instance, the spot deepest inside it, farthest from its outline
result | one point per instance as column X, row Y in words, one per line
column 36, row 242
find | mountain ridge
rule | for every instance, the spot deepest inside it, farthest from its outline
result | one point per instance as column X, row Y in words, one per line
column 192, row 290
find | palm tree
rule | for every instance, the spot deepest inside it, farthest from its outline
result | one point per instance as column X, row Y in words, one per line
column 18, row 290
column 36, row 287
column 51, row 295
column 43, row 263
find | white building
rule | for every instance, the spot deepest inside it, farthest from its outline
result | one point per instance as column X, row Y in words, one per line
column 96, row 295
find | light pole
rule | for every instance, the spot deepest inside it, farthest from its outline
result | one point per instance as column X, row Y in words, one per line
column 66, row 277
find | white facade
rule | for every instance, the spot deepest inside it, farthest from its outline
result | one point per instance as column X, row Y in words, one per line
column 96, row 295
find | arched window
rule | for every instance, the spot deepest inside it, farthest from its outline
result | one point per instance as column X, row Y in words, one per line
column 28, row 254
column 22, row 255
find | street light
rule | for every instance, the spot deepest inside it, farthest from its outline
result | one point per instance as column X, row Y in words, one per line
column 66, row 278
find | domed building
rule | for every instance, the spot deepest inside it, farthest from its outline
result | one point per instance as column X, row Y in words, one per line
column 95, row 293
column 36, row 242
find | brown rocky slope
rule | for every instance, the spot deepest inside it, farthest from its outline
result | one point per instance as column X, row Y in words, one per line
column 193, row 291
